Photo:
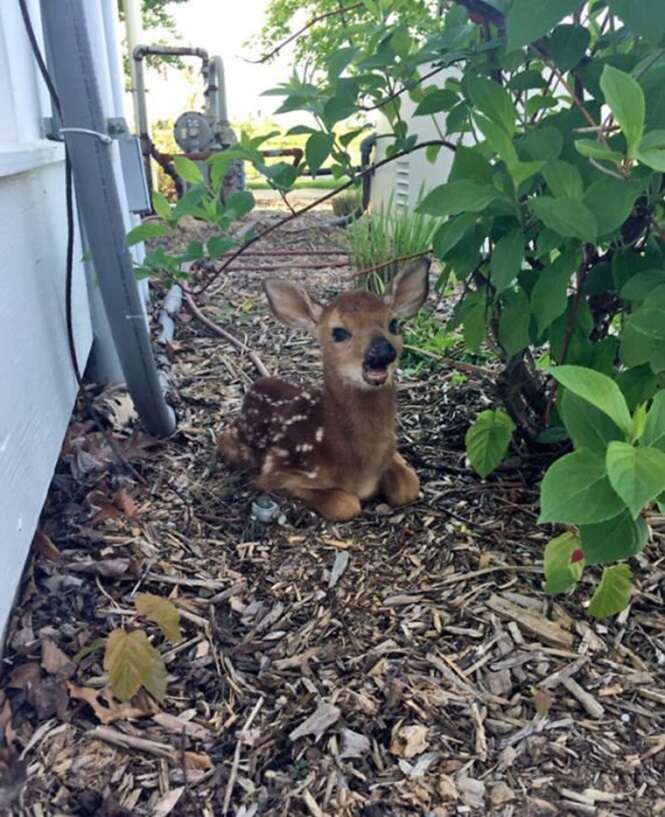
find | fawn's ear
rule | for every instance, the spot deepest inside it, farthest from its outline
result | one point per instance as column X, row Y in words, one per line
column 292, row 305
column 409, row 289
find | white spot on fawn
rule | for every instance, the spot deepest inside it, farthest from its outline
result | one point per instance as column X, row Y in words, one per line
column 319, row 434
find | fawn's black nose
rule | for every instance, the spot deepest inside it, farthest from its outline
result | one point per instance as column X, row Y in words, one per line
column 380, row 353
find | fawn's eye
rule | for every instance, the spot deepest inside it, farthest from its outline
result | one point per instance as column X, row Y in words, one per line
column 339, row 334
column 394, row 327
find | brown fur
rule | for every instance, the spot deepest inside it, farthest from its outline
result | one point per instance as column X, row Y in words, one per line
column 336, row 446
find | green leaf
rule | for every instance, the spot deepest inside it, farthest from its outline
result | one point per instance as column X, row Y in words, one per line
column 432, row 153
column 654, row 430
column 597, row 389
column 587, row 426
column 144, row 232
column 239, row 204
column 218, row 245
column 528, row 20
column 514, row 322
column 646, row 17
column 611, row 202
column 458, row 197
column 188, row 170
column 549, row 296
column 566, row 216
column 651, row 150
column 339, row 60
column 317, row 150
column 475, row 320
column 487, row 440
column 568, row 44
column 625, row 98
column 615, row 539
column 338, row 108
column 642, row 284
column 493, row 101
column 595, row 150
column 545, row 142
column 442, row 99
column 470, row 164
column 161, row 205
column 613, row 593
column 576, row 490
column 636, row 474
column 563, row 179
column 561, row 573
column 451, row 233
column 649, row 322
column 521, row 171
column 497, row 138
column 636, row 348
column 506, row 260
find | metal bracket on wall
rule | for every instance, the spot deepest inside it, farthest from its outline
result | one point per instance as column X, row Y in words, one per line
column 131, row 159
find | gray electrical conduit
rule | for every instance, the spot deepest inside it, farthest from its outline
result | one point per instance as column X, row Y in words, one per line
column 99, row 205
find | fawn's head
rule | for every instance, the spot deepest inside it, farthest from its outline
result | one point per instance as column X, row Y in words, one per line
column 359, row 332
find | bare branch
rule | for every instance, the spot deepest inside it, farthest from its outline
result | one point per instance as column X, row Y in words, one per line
column 302, row 30
column 320, row 200
column 218, row 330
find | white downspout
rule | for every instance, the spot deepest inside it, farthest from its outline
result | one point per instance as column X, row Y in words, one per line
column 134, row 34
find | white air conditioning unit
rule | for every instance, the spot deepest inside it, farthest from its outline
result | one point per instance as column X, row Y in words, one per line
column 400, row 184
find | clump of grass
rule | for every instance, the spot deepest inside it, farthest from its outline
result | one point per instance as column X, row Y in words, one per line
column 347, row 202
column 378, row 238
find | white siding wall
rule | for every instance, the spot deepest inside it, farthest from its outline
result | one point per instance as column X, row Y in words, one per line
column 37, row 386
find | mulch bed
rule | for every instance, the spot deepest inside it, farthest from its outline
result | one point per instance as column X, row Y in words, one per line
column 407, row 663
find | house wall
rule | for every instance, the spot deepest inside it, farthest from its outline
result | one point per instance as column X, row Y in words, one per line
column 37, row 383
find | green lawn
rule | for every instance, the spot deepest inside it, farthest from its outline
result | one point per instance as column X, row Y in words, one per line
column 305, row 183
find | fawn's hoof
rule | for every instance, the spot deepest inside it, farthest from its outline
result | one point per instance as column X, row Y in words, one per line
column 339, row 506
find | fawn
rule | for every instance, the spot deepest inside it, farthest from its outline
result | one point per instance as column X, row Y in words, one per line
column 333, row 447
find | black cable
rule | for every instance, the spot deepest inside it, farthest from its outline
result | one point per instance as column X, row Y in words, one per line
column 69, row 191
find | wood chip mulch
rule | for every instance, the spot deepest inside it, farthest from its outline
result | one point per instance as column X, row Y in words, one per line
column 407, row 663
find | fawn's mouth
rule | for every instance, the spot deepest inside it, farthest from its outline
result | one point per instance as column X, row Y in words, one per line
column 375, row 375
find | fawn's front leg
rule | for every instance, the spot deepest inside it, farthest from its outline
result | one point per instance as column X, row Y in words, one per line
column 400, row 483
column 333, row 504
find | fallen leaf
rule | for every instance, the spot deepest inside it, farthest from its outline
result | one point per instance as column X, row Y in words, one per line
column 409, row 741
column 106, row 709
column 117, row 406
column 25, row 675
column 55, row 662
column 325, row 716
column 108, row 568
column 198, row 761
column 132, row 662
column 125, row 502
column 43, row 545
column 163, row 612
column 165, row 805
column 48, row 697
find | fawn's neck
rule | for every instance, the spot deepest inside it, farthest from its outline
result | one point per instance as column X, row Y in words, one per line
column 357, row 415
